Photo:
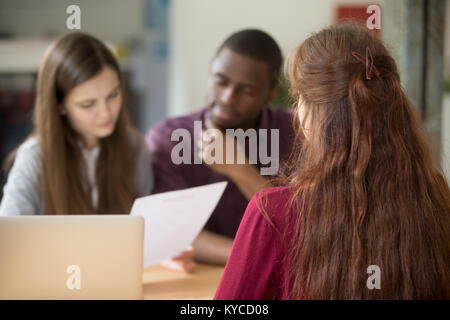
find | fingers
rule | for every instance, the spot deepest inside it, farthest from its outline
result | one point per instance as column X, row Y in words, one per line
column 188, row 266
column 186, row 254
column 182, row 265
column 210, row 147
column 216, row 148
column 184, row 262
column 199, row 144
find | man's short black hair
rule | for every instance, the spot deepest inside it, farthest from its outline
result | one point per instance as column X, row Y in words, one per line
column 257, row 45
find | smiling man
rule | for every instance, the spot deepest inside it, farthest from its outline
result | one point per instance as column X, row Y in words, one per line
column 243, row 79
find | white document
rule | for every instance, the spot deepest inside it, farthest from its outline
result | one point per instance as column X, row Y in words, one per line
column 174, row 219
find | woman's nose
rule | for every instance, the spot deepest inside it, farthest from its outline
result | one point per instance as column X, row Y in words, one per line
column 104, row 111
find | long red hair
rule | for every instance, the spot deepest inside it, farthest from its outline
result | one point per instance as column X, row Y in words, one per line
column 365, row 186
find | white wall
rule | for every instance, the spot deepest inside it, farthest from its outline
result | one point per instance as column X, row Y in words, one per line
column 110, row 20
column 198, row 27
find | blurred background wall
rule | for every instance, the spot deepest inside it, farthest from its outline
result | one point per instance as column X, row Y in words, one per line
column 114, row 20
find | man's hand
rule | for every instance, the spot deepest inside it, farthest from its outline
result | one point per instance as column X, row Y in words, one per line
column 222, row 153
column 184, row 262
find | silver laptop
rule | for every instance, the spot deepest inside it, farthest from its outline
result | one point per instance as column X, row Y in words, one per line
column 71, row 257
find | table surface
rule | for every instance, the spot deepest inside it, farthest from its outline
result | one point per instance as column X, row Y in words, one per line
column 163, row 284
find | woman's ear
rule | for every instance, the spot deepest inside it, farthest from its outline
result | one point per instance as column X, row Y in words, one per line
column 304, row 117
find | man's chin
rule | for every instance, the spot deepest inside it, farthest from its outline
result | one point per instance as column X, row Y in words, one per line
column 224, row 124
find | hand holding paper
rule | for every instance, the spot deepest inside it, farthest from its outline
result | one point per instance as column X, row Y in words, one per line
column 184, row 262
column 174, row 219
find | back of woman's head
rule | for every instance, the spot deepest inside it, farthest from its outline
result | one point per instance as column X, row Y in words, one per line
column 69, row 62
column 367, row 189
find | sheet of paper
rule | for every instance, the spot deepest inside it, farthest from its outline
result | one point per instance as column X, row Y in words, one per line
column 174, row 219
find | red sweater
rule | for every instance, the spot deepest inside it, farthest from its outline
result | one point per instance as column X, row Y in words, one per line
column 257, row 267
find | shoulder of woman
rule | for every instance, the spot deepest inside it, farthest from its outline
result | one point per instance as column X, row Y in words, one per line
column 275, row 205
column 30, row 144
column 274, row 199
column 23, row 185
column 29, row 151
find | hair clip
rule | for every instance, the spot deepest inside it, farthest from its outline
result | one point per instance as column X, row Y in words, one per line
column 365, row 61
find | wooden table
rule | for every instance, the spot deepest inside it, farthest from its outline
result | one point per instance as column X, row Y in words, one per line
column 163, row 284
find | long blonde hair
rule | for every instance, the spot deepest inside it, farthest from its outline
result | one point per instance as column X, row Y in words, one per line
column 70, row 61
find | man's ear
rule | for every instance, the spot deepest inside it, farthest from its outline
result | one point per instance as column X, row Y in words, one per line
column 273, row 93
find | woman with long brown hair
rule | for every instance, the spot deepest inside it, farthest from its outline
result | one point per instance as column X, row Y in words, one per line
column 365, row 211
column 84, row 156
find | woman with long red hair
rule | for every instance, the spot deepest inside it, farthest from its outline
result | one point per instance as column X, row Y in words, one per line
column 362, row 189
